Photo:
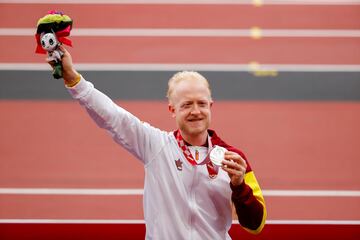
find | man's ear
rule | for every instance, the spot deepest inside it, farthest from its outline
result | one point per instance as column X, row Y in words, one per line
column 211, row 103
column 171, row 109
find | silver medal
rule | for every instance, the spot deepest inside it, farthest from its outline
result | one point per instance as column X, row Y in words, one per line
column 217, row 155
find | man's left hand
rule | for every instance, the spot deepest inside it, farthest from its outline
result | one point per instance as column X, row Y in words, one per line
column 235, row 166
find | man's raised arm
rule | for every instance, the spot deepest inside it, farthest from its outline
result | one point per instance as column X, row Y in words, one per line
column 139, row 138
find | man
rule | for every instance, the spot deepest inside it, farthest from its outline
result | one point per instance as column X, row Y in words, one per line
column 186, row 196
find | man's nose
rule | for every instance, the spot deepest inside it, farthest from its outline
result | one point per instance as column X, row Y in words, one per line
column 195, row 109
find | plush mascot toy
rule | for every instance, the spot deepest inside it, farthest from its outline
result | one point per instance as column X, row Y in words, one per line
column 52, row 30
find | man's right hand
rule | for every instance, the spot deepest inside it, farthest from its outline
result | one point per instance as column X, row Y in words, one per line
column 70, row 75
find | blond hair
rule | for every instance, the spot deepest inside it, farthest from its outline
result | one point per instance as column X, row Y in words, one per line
column 182, row 76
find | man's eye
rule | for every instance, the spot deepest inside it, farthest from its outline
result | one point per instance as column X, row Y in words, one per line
column 202, row 104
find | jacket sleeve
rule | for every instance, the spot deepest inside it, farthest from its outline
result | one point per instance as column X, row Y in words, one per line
column 139, row 138
column 249, row 204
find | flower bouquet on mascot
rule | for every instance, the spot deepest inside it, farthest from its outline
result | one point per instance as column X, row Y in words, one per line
column 52, row 30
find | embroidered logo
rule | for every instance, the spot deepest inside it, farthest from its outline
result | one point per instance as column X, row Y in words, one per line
column 179, row 164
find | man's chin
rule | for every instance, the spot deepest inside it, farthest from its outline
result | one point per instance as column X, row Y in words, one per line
column 193, row 131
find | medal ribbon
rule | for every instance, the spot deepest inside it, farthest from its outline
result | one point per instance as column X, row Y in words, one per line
column 212, row 170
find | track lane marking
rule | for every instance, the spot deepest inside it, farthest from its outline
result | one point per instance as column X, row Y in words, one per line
column 139, row 221
column 139, row 191
column 204, row 2
column 254, row 32
column 195, row 66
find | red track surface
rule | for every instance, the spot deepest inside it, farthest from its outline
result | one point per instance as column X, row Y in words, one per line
column 296, row 140
column 47, row 158
column 193, row 50
column 137, row 231
column 291, row 145
column 188, row 16
column 46, row 133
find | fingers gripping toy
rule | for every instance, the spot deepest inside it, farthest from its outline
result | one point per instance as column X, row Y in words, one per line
column 52, row 30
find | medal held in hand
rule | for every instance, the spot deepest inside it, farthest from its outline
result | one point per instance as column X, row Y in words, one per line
column 52, row 30
column 217, row 155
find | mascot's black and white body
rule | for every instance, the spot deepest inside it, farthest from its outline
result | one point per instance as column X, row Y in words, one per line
column 50, row 44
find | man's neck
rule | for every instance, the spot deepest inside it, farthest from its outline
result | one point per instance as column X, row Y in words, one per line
column 196, row 140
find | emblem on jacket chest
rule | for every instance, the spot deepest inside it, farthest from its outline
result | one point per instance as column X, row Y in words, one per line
column 179, row 164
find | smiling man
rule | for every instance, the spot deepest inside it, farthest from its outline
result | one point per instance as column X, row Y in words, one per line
column 190, row 102
column 186, row 196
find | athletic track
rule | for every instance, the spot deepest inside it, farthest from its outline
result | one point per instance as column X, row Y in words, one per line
column 63, row 178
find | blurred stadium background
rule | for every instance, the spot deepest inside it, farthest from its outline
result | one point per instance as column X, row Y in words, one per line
column 285, row 76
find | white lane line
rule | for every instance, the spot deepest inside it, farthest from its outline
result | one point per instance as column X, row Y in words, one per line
column 313, row 222
column 70, row 191
column 139, row 221
column 75, row 221
column 139, row 191
column 251, row 67
column 311, row 193
column 221, row 2
column 174, row 32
